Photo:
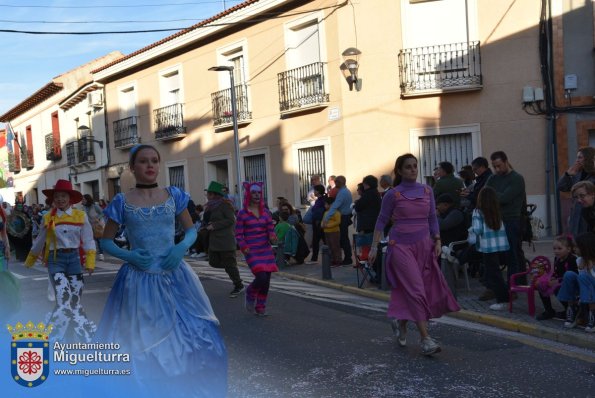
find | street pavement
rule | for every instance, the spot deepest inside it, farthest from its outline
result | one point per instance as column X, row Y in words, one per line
column 344, row 278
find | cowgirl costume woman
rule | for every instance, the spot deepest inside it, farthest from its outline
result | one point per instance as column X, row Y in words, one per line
column 61, row 234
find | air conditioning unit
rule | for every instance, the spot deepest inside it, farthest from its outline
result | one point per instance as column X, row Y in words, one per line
column 95, row 100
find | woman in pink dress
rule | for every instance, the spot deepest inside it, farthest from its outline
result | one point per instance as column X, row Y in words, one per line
column 419, row 291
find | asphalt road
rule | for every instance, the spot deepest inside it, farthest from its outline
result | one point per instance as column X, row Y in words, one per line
column 322, row 343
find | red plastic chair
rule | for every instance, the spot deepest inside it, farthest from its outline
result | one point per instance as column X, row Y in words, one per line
column 536, row 266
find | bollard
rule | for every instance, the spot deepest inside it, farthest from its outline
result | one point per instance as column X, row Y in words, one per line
column 326, row 262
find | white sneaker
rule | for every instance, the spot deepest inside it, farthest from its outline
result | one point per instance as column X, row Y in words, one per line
column 429, row 346
column 201, row 255
column 400, row 334
column 101, row 257
column 498, row 306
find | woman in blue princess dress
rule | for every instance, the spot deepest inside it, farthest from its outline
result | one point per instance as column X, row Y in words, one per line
column 157, row 309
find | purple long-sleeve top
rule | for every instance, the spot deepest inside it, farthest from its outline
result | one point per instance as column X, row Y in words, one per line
column 412, row 209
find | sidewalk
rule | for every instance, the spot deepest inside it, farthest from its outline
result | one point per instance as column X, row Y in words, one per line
column 344, row 278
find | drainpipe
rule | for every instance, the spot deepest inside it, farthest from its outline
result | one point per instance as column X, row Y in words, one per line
column 107, row 148
column 556, row 174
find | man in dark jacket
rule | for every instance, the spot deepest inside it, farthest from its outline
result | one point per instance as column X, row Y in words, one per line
column 222, row 242
column 481, row 168
column 448, row 183
column 510, row 188
column 367, row 207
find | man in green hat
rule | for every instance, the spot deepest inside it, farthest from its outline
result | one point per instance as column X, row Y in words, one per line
column 220, row 219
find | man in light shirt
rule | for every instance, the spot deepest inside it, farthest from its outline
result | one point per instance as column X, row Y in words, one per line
column 342, row 204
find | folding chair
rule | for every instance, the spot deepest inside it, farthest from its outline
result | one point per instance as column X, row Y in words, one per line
column 450, row 254
column 362, row 243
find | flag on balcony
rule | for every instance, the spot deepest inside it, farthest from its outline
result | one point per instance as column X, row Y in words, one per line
column 9, row 136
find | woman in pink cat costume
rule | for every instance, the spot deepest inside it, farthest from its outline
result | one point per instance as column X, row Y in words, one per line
column 254, row 234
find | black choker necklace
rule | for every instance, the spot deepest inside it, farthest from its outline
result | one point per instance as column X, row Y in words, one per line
column 146, row 186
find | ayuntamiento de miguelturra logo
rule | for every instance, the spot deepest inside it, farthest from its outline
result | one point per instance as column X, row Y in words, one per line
column 30, row 353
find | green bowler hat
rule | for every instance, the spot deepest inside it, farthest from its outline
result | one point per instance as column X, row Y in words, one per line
column 216, row 187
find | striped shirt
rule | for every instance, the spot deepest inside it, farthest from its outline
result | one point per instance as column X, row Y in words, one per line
column 255, row 234
column 489, row 241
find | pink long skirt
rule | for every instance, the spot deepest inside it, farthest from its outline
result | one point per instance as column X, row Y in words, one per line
column 419, row 291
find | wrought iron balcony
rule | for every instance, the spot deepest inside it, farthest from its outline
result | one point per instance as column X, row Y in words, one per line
column 440, row 68
column 71, row 153
column 302, row 87
column 53, row 151
column 126, row 132
column 221, row 100
column 85, row 150
column 14, row 162
column 169, row 122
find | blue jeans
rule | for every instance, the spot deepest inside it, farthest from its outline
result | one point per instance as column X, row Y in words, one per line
column 569, row 290
column 68, row 263
column 586, row 282
column 513, row 255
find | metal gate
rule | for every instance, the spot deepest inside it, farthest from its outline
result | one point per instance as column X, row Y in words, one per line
column 176, row 177
column 255, row 169
column 454, row 148
column 310, row 162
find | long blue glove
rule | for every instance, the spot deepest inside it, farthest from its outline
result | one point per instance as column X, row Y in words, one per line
column 176, row 254
column 140, row 258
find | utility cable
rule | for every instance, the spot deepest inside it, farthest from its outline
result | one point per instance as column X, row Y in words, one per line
column 261, row 18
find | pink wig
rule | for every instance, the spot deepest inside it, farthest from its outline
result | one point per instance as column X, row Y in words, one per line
column 253, row 186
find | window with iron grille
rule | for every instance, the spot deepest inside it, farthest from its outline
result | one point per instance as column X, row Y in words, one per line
column 255, row 170
column 176, row 177
column 310, row 162
column 454, row 148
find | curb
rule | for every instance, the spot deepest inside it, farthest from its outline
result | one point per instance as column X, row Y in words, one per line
column 560, row 336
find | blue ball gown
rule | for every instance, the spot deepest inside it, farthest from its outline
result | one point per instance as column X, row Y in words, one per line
column 10, row 296
column 163, row 318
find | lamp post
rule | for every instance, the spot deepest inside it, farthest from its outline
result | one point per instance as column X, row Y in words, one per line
column 234, row 116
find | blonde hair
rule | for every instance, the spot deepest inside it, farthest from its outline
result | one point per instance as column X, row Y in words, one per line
column 587, row 185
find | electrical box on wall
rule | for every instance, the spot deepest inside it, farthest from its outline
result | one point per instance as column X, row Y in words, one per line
column 528, row 94
column 538, row 93
column 570, row 82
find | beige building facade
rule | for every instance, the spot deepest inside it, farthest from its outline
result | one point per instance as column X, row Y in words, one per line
column 441, row 79
column 335, row 87
column 48, row 142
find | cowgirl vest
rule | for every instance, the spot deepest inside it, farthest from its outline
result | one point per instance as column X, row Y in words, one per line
column 51, row 221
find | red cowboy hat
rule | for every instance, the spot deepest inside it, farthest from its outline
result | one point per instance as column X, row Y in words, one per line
column 64, row 186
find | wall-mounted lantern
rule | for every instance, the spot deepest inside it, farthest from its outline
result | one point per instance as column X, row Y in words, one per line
column 350, row 67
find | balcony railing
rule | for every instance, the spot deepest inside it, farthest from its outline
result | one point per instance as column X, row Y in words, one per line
column 85, row 150
column 302, row 87
column 222, row 111
column 71, row 153
column 53, row 151
column 169, row 122
column 440, row 68
column 126, row 132
column 14, row 162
